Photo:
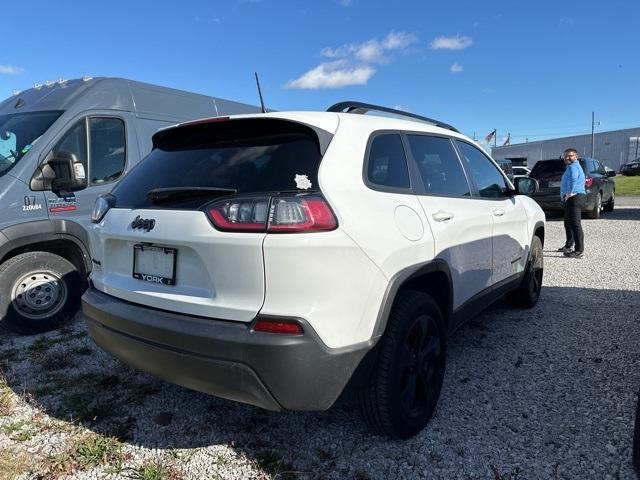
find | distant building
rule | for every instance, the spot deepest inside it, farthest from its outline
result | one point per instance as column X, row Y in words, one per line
column 613, row 149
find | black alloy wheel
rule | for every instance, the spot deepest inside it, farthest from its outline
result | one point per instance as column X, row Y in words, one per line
column 528, row 293
column 405, row 385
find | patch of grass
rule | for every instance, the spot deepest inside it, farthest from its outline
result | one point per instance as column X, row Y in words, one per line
column 269, row 462
column 152, row 471
column 81, row 351
column 42, row 344
column 9, row 355
column 95, row 450
column 17, row 431
column 55, row 361
column 13, row 427
column 13, row 464
column 23, row 436
column 6, row 401
column 627, row 186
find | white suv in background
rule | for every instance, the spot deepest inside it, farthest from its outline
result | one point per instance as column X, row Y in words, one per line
column 286, row 259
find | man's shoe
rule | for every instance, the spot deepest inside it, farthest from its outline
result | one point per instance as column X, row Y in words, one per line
column 565, row 250
column 574, row 254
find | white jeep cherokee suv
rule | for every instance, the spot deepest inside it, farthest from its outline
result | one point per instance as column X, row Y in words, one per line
column 285, row 259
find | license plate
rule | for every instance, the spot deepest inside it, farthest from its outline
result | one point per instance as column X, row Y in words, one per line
column 154, row 264
column 554, row 184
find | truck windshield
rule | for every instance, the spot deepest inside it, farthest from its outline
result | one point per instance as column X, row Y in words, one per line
column 18, row 132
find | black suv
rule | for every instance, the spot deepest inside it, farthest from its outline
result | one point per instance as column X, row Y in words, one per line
column 631, row 168
column 600, row 188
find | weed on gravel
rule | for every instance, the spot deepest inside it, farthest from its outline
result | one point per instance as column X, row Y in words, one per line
column 87, row 452
column 13, row 463
column 154, row 471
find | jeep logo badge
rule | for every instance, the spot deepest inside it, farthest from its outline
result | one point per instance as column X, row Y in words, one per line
column 143, row 223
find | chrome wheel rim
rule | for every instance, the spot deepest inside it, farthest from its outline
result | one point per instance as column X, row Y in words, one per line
column 39, row 295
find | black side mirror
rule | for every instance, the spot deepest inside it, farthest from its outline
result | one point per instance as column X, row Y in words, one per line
column 611, row 173
column 69, row 173
column 526, row 185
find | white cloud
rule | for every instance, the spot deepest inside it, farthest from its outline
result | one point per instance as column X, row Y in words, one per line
column 10, row 70
column 354, row 62
column 456, row 68
column 333, row 75
column 457, row 42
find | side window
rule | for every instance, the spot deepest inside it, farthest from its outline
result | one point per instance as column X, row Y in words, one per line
column 439, row 167
column 74, row 141
column 107, row 149
column 488, row 179
column 387, row 163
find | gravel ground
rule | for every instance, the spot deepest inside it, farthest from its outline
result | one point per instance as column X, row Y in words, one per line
column 546, row 393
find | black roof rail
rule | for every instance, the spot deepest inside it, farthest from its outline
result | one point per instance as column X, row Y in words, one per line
column 362, row 108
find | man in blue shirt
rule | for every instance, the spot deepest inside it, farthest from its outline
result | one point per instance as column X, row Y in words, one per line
column 573, row 195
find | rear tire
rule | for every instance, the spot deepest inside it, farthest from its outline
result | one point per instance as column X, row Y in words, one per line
column 405, row 385
column 595, row 213
column 528, row 293
column 611, row 203
column 38, row 292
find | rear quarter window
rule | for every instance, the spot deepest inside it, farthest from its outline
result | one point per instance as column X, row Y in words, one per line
column 387, row 162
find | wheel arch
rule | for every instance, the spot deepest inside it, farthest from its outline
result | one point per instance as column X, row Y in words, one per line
column 61, row 237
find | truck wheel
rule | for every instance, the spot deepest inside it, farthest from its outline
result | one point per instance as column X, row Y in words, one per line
column 528, row 293
column 38, row 292
column 403, row 390
column 611, row 203
column 595, row 213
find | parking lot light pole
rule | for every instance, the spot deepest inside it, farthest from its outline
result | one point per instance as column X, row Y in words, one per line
column 593, row 126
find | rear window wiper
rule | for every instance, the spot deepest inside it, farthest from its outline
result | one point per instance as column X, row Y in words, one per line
column 170, row 194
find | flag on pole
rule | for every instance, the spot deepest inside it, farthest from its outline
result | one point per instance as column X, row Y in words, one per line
column 507, row 141
column 489, row 137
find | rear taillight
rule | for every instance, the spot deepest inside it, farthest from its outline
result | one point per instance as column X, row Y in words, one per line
column 588, row 182
column 278, row 214
column 240, row 214
column 283, row 327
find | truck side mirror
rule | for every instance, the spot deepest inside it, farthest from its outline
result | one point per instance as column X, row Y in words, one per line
column 526, row 185
column 69, row 173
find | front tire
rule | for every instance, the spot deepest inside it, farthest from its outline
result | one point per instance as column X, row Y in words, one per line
column 405, row 385
column 528, row 293
column 38, row 292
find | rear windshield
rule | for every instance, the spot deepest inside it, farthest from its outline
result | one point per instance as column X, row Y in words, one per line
column 243, row 157
column 549, row 168
column 552, row 168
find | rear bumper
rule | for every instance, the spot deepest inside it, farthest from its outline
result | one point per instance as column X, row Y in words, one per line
column 223, row 358
column 552, row 203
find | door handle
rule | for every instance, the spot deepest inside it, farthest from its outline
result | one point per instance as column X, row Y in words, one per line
column 442, row 216
column 498, row 212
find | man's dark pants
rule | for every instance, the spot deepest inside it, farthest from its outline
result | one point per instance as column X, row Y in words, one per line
column 572, row 225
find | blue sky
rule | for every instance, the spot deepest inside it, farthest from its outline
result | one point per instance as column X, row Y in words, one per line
column 534, row 69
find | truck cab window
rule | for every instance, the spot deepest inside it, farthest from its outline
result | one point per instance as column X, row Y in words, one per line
column 107, row 149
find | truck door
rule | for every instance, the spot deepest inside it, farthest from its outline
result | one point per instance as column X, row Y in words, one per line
column 100, row 143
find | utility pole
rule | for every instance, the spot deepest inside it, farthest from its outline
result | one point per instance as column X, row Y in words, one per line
column 593, row 127
column 495, row 138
